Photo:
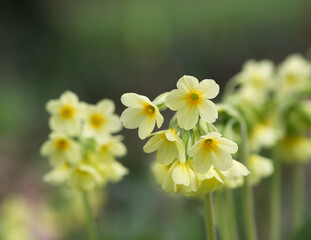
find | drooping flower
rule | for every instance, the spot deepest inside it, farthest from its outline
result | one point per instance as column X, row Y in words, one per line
column 66, row 112
column 260, row 167
column 111, row 171
column 110, row 149
column 180, row 178
column 59, row 174
column 294, row 74
column 84, row 177
column 295, row 148
column 191, row 100
column 212, row 149
column 168, row 146
column 61, row 149
column 100, row 121
column 141, row 113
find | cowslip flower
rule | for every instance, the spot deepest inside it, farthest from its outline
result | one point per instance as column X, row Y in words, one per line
column 180, row 178
column 141, row 113
column 84, row 177
column 110, row 149
column 168, row 146
column 100, row 121
column 59, row 174
column 66, row 113
column 294, row 73
column 191, row 100
column 260, row 167
column 212, row 149
column 60, row 148
column 111, row 171
column 257, row 75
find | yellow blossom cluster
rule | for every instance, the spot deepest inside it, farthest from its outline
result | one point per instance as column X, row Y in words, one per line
column 192, row 156
column 274, row 101
column 81, row 147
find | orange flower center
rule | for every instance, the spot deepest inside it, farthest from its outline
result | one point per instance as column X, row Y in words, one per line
column 62, row 144
column 150, row 110
column 67, row 112
column 209, row 144
column 194, row 98
column 97, row 120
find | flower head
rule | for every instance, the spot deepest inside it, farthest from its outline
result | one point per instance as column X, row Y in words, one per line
column 168, row 146
column 294, row 73
column 100, row 121
column 260, row 167
column 110, row 149
column 212, row 149
column 66, row 113
column 191, row 100
column 61, row 149
column 141, row 113
column 180, row 178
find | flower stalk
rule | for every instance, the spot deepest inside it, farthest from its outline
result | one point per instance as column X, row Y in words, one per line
column 247, row 189
column 90, row 223
column 210, row 217
column 298, row 189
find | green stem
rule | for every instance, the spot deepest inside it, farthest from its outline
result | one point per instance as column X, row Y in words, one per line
column 276, row 202
column 210, row 217
column 221, row 216
column 90, row 224
column 231, row 214
column 298, row 187
column 247, row 189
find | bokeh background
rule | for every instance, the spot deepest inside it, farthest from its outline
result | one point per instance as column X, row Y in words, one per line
column 102, row 49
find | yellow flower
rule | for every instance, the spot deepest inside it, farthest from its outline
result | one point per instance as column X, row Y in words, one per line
column 59, row 174
column 264, row 135
column 168, row 146
column 295, row 148
column 209, row 181
column 257, row 75
column 180, row 178
column 191, row 100
column 141, row 113
column 84, row 177
column 61, row 149
column 111, row 171
column 159, row 171
column 100, row 121
column 294, row 73
column 260, row 167
column 234, row 183
column 212, row 149
column 113, row 147
column 66, row 113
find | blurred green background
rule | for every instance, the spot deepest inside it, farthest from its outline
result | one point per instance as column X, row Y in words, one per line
column 102, row 49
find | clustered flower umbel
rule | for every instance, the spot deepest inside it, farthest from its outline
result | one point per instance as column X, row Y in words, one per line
column 192, row 156
column 81, row 147
column 275, row 103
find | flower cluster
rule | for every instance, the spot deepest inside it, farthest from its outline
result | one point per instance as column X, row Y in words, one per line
column 274, row 103
column 81, row 147
column 192, row 156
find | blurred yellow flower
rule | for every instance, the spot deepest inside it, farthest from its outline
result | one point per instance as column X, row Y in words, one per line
column 295, row 148
column 212, row 149
column 260, row 167
column 112, row 148
column 168, row 146
column 84, row 177
column 59, row 174
column 61, row 149
column 294, row 74
column 257, row 75
column 111, row 171
column 141, row 113
column 100, row 121
column 66, row 112
column 191, row 100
